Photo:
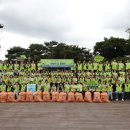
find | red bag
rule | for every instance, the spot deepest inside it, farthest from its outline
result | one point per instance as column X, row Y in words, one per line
column 88, row 97
column 11, row 97
column 46, row 96
column 104, row 97
column 3, row 96
column 22, row 97
column 97, row 98
column 71, row 97
column 62, row 97
column 29, row 96
column 55, row 96
column 37, row 96
column 79, row 97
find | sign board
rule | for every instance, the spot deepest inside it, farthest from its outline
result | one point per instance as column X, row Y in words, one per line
column 31, row 87
column 57, row 63
column 98, row 58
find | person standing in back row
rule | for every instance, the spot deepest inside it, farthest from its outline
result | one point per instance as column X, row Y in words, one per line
column 119, row 90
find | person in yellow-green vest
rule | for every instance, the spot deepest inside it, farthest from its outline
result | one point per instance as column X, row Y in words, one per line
column 90, row 66
column 84, row 66
column 100, row 67
column 33, row 67
column 46, row 86
column 53, row 88
column 104, row 86
column 119, row 90
column 21, row 66
column 23, row 86
column 110, row 90
column 60, row 87
column 74, row 67
column 127, row 90
column 5, row 66
column 66, row 87
column 114, row 65
column 73, row 87
column 10, row 66
column 79, row 66
column 16, row 88
column 28, row 66
column 2, row 87
column 95, row 66
column 79, row 87
column 99, row 88
column 9, row 87
column 127, row 65
column 16, row 66
column 39, row 88
column 120, row 66
column 107, row 66
column 39, row 66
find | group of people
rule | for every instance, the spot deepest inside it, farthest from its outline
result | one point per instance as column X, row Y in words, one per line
column 113, row 78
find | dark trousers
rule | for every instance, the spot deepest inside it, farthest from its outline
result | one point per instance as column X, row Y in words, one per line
column 127, row 95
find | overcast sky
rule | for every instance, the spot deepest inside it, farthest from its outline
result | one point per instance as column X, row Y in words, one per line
column 79, row 22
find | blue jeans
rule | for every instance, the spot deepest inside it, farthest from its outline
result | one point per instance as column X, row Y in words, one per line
column 110, row 95
column 117, row 95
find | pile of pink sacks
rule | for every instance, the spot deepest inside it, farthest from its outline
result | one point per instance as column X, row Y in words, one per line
column 54, row 97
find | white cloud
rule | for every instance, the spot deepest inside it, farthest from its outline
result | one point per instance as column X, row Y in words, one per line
column 80, row 22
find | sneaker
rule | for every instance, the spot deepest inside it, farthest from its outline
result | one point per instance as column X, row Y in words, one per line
column 116, row 99
column 122, row 99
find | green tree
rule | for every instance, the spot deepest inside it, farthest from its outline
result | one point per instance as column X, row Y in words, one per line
column 111, row 48
column 127, row 47
column 15, row 52
column 35, row 52
column 52, row 49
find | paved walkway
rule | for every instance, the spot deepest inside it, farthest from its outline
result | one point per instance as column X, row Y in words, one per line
column 65, row 116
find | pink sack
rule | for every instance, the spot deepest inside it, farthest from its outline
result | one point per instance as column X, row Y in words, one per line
column 22, row 97
column 79, row 97
column 62, row 97
column 46, row 96
column 29, row 96
column 97, row 98
column 88, row 97
column 104, row 97
column 55, row 96
column 37, row 96
column 71, row 97
column 11, row 97
column 3, row 96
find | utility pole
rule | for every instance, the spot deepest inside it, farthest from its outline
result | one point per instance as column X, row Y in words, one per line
column 128, row 31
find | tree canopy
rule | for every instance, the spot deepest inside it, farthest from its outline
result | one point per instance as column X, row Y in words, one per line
column 112, row 48
column 109, row 48
column 51, row 50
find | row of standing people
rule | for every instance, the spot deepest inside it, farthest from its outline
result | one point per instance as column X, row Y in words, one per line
column 80, row 66
column 112, row 89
